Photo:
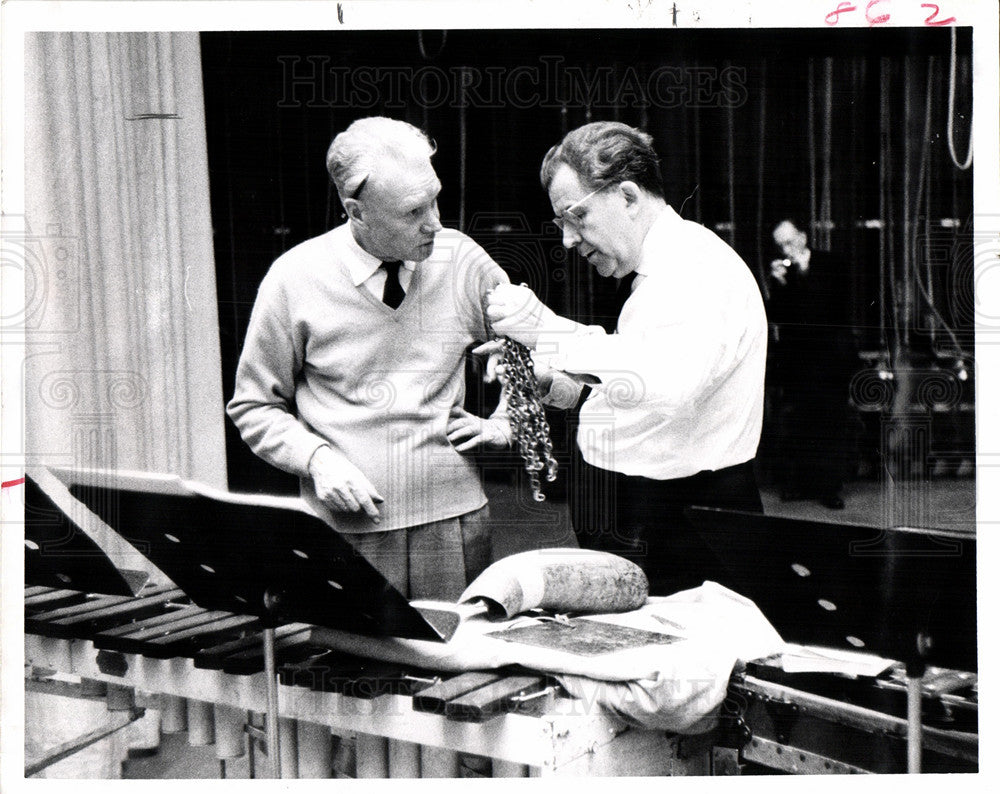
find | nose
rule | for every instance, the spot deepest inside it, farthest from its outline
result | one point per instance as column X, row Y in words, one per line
column 570, row 236
column 432, row 221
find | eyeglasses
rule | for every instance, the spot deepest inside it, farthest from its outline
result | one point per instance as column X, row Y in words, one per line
column 569, row 216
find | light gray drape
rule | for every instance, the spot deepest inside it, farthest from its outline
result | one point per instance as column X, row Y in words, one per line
column 122, row 362
column 121, row 323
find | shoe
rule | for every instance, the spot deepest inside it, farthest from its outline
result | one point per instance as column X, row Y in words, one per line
column 832, row 502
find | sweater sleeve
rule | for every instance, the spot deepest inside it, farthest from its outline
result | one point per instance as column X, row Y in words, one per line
column 482, row 275
column 262, row 406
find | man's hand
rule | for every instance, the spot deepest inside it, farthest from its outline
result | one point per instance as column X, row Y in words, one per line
column 516, row 312
column 555, row 387
column 341, row 485
column 494, row 355
column 779, row 270
column 466, row 431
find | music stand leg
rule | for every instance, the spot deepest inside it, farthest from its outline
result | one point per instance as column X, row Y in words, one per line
column 914, row 727
column 271, row 673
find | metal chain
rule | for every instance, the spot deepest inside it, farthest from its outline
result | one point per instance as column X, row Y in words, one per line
column 527, row 416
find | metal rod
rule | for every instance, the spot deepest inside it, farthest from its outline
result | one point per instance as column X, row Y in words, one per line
column 66, row 749
column 271, row 673
column 251, row 745
column 914, row 726
column 954, row 743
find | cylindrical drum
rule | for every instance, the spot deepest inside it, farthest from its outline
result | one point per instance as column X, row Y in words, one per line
column 229, row 733
column 201, row 728
column 315, row 750
column 288, row 739
column 174, row 719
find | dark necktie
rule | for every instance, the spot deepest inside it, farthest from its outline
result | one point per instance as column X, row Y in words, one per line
column 392, row 294
column 622, row 293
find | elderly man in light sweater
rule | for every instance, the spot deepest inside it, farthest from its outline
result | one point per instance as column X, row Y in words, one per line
column 352, row 372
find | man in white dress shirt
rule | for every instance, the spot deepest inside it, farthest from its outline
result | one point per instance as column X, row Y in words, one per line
column 672, row 411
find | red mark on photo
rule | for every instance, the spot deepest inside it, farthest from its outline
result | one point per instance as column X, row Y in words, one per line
column 932, row 20
column 880, row 19
column 842, row 8
column 12, row 483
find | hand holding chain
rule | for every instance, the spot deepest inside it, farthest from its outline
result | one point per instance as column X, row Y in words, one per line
column 527, row 415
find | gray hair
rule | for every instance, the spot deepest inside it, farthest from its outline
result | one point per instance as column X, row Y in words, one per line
column 357, row 151
column 605, row 153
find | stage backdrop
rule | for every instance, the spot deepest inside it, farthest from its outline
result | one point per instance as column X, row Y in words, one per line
column 863, row 135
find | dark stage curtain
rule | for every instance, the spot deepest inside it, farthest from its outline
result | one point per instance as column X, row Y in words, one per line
column 845, row 130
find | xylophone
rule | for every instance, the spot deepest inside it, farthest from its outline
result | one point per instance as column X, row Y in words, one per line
column 206, row 670
column 207, row 666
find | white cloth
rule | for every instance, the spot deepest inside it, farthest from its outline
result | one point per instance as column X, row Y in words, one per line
column 682, row 381
column 676, row 686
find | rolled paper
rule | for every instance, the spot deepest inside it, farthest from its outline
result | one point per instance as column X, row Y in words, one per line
column 561, row 580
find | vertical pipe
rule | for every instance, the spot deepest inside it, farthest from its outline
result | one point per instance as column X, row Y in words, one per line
column 404, row 759
column 927, row 168
column 697, row 163
column 762, row 240
column 811, row 145
column 229, row 722
column 271, row 676
column 885, row 208
column 438, row 762
column 174, row 719
column 907, row 280
column 201, row 728
column 826, row 210
column 289, row 748
column 462, row 150
column 914, row 728
column 315, row 743
column 731, row 146
column 372, row 757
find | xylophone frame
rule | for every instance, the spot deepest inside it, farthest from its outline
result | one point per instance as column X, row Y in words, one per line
column 571, row 737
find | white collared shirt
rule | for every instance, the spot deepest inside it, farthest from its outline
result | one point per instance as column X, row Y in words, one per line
column 682, row 380
column 367, row 269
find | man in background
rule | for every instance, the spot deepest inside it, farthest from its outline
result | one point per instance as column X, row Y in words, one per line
column 812, row 364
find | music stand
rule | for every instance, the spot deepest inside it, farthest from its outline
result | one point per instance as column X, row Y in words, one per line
column 902, row 593
column 250, row 554
column 59, row 553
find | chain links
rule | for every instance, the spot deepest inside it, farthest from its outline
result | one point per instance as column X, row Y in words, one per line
column 527, row 415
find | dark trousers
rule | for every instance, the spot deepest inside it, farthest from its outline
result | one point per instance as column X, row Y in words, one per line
column 643, row 519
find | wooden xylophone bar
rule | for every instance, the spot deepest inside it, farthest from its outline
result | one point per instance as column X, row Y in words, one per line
column 205, row 669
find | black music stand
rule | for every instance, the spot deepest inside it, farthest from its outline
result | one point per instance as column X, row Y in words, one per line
column 902, row 593
column 256, row 555
column 58, row 553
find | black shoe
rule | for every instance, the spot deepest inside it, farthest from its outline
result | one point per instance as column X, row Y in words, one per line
column 832, row 502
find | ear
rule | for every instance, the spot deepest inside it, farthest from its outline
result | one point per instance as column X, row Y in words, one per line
column 632, row 194
column 354, row 210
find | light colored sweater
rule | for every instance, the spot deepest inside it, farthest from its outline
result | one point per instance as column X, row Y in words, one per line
column 326, row 362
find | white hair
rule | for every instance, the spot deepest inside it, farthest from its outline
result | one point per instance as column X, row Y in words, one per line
column 357, row 151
